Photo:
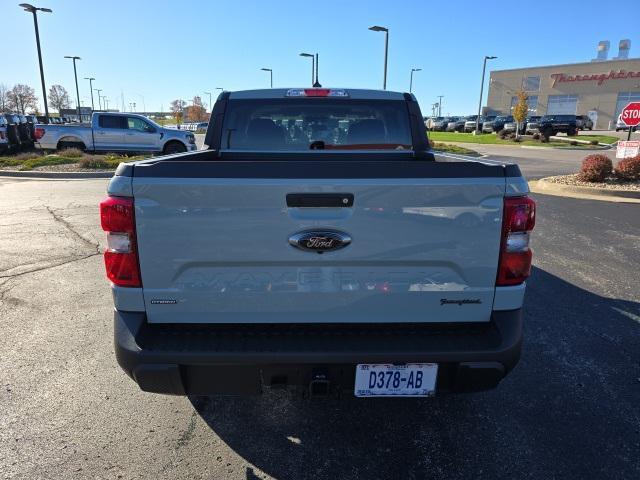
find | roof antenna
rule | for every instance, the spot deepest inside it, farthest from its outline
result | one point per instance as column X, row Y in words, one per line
column 317, row 84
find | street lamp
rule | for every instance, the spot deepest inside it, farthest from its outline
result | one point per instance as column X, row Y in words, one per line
column 99, row 98
column 313, row 65
column 144, row 105
column 440, row 97
column 220, row 88
column 106, row 103
column 377, row 28
column 484, row 67
column 411, row 81
column 75, row 74
column 270, row 74
column 210, row 104
column 91, row 79
column 30, row 8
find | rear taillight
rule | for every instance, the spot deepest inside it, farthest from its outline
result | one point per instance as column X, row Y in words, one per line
column 519, row 218
column 39, row 133
column 1, row 135
column 121, row 256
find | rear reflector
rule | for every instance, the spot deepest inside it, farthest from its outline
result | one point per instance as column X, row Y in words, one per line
column 39, row 133
column 121, row 256
column 316, row 92
column 519, row 218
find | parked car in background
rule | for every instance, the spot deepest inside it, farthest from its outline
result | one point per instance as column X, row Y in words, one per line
column 32, row 121
column 496, row 124
column 24, row 130
column 13, row 132
column 453, row 123
column 511, row 126
column 4, row 139
column 470, row 125
column 439, row 124
column 550, row 125
column 116, row 132
column 583, row 122
column 621, row 126
column 458, row 125
column 531, row 126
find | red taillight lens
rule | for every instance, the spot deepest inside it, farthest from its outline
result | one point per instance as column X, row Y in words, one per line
column 121, row 256
column 317, row 92
column 1, row 135
column 39, row 133
column 518, row 220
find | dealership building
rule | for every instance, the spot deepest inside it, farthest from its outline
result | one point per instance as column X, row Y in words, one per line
column 600, row 88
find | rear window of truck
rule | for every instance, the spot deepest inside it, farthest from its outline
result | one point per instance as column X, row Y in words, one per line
column 297, row 124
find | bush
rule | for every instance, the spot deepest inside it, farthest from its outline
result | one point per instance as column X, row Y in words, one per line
column 573, row 142
column 93, row 162
column 503, row 134
column 27, row 156
column 594, row 142
column 595, row 168
column 629, row 169
column 536, row 136
column 71, row 153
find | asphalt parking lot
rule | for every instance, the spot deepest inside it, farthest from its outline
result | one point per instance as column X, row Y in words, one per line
column 569, row 410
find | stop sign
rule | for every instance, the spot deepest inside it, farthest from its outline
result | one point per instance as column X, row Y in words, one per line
column 631, row 114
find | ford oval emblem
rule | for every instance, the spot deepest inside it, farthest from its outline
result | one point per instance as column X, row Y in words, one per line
column 320, row 240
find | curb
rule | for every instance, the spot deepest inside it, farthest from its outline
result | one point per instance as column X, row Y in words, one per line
column 55, row 175
column 586, row 193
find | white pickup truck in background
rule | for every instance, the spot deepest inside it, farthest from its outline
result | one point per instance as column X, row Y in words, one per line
column 115, row 132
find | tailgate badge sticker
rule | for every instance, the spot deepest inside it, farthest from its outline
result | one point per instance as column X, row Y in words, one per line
column 320, row 241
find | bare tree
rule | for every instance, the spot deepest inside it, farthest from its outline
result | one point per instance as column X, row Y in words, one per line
column 22, row 97
column 177, row 108
column 4, row 97
column 59, row 98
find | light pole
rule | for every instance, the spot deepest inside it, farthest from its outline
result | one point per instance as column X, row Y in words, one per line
column 210, row 104
column 411, row 81
column 134, row 107
column 30, row 8
column 91, row 79
column 440, row 97
column 484, row 67
column 313, row 65
column 377, row 28
column 106, row 103
column 144, row 105
column 270, row 74
column 75, row 74
column 99, row 98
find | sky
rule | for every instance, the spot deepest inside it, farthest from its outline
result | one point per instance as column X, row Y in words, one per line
column 152, row 52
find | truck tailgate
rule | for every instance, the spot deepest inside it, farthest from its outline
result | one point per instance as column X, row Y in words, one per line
column 215, row 247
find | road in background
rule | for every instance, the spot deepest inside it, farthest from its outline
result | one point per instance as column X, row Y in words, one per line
column 569, row 410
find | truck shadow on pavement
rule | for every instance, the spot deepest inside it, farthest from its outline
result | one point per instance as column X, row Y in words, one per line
column 568, row 410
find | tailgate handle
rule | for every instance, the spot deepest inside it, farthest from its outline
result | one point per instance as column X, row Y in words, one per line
column 317, row 200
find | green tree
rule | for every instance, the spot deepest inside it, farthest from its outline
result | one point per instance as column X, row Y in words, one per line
column 521, row 110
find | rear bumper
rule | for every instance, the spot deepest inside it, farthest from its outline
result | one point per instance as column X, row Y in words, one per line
column 243, row 359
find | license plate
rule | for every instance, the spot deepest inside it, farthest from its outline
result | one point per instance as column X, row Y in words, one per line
column 388, row 380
